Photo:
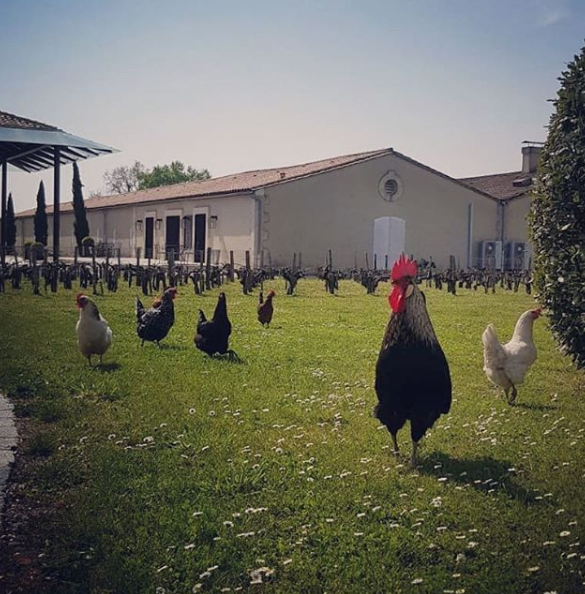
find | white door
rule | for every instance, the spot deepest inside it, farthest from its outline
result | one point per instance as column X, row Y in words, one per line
column 389, row 240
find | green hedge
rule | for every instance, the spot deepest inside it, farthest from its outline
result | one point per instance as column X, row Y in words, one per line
column 558, row 215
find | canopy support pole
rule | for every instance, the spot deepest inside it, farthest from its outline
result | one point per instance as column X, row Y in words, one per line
column 3, row 211
column 56, row 201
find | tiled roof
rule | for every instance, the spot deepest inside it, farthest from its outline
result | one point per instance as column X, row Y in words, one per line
column 9, row 120
column 229, row 184
column 496, row 187
column 503, row 186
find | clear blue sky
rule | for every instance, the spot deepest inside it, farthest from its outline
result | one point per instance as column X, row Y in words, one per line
column 236, row 85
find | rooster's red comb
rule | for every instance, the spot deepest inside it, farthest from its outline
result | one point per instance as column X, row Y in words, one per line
column 403, row 267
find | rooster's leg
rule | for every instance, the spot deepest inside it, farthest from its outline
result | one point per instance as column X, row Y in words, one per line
column 413, row 457
column 158, row 344
column 142, row 343
column 394, row 443
column 89, row 360
column 512, row 400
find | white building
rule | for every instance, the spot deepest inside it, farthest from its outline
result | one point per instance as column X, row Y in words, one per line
column 315, row 207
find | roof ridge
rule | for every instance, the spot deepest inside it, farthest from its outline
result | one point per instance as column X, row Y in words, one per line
column 490, row 175
column 27, row 120
column 241, row 173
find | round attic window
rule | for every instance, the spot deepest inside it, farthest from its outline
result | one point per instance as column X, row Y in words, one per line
column 390, row 187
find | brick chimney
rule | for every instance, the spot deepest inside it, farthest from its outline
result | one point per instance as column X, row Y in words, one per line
column 530, row 156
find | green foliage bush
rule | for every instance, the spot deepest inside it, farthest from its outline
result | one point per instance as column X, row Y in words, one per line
column 80, row 224
column 558, row 215
column 40, row 222
column 38, row 249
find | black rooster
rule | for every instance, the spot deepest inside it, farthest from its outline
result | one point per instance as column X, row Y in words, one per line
column 212, row 336
column 412, row 375
column 154, row 324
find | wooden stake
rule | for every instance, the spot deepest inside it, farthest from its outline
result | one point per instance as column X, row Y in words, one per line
column 208, row 269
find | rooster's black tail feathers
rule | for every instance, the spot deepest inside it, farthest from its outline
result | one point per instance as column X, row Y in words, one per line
column 139, row 309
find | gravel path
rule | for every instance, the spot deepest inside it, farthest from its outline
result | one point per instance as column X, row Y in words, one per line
column 8, row 438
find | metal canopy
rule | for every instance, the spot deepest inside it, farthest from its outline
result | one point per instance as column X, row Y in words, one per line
column 32, row 146
column 33, row 150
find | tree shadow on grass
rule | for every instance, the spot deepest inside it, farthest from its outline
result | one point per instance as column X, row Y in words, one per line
column 483, row 474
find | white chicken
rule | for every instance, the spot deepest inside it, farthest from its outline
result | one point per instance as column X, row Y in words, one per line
column 506, row 365
column 94, row 335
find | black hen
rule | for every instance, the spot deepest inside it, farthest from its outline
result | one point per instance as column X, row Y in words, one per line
column 412, row 375
column 154, row 324
column 212, row 336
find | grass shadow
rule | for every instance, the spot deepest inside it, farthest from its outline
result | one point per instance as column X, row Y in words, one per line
column 172, row 347
column 483, row 474
column 107, row 367
column 531, row 406
column 230, row 357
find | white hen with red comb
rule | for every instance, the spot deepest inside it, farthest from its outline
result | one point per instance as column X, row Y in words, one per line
column 94, row 335
column 506, row 365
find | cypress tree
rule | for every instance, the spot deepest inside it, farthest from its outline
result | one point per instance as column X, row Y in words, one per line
column 558, row 215
column 41, row 223
column 10, row 224
column 80, row 226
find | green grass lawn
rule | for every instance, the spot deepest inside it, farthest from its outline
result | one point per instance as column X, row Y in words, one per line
column 172, row 472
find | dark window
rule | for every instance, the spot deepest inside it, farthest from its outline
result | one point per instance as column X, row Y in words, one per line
column 149, row 238
column 173, row 235
column 200, row 237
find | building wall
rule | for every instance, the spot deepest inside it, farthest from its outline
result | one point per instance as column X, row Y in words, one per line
column 516, row 223
column 235, row 228
column 336, row 210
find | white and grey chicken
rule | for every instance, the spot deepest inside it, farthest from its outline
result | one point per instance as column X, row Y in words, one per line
column 94, row 335
column 506, row 365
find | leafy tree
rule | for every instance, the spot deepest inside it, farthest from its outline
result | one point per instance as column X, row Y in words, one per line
column 124, row 179
column 41, row 223
column 558, row 215
column 166, row 175
column 80, row 225
column 10, row 223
